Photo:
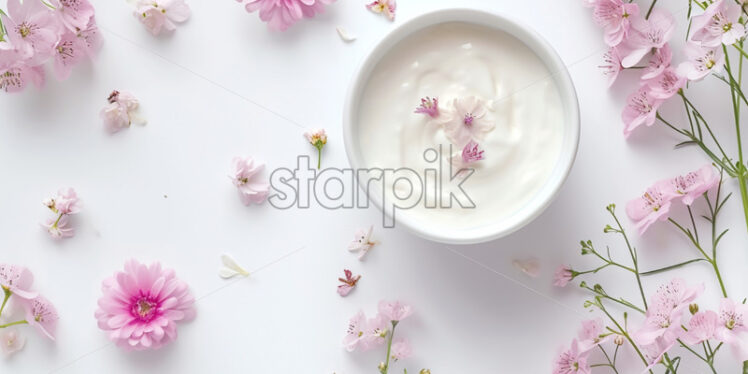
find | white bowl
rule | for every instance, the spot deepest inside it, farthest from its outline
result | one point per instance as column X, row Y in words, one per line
column 570, row 141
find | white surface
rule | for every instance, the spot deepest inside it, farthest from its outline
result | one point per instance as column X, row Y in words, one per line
column 197, row 88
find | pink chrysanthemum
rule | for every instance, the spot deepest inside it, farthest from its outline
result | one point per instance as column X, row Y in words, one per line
column 141, row 306
column 282, row 14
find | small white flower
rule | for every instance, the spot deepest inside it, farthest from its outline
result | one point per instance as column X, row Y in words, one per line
column 231, row 268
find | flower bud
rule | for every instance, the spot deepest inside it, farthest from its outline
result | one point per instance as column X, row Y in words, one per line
column 50, row 203
column 382, row 367
column 425, row 371
column 618, row 340
column 693, row 308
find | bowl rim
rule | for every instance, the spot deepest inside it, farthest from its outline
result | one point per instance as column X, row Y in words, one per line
column 557, row 69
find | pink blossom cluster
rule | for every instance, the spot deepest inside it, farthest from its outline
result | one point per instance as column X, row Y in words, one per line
column 65, row 204
column 15, row 282
column 141, row 306
column 161, row 15
column 574, row 359
column 368, row 333
column 654, row 205
column 632, row 35
column 34, row 32
column 282, row 14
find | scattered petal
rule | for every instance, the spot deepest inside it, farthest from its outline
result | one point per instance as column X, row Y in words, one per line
column 231, row 268
column 344, row 35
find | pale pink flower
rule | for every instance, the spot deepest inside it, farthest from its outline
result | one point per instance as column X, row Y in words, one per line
column 562, row 276
column 32, row 28
column 665, row 85
column 246, row 177
column 394, row 311
column 694, row 184
column 719, row 24
column 401, row 349
column 121, row 111
column 282, row 14
column 141, row 306
column 648, row 34
column 362, row 242
column 66, row 202
column 11, row 341
column 615, row 18
column 17, row 280
column 41, row 314
column 572, row 361
column 663, row 318
column 158, row 15
column 702, row 327
column 591, row 334
column 676, row 295
column 652, row 206
column 641, row 109
column 58, row 227
column 733, row 326
column 386, row 7
column 376, row 332
column 355, row 336
column 612, row 64
column 660, row 60
column 701, row 61
column 467, row 119
column 316, row 137
column 70, row 50
column 91, row 37
column 429, row 107
column 472, row 152
column 74, row 14
column 349, row 282
column 16, row 72
column 653, row 352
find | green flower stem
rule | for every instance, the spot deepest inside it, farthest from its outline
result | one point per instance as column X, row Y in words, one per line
column 623, row 332
column 702, row 358
column 650, row 9
column 621, row 301
column 611, row 363
column 695, row 140
column 5, row 300
column 386, row 367
column 21, row 322
column 671, row 267
column 319, row 157
column 632, row 252
column 741, row 169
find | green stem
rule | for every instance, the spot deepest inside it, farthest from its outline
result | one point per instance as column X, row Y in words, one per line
column 389, row 348
column 21, row 322
column 5, row 300
column 650, row 9
column 625, row 334
column 610, row 363
column 736, row 114
column 671, row 267
column 634, row 257
column 319, row 157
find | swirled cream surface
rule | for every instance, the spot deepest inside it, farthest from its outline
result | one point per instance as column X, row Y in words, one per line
column 485, row 80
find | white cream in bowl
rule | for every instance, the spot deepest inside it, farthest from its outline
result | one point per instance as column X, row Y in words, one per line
column 523, row 128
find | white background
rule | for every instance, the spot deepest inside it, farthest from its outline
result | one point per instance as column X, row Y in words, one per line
column 213, row 90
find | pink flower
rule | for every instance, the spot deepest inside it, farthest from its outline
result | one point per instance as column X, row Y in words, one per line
column 676, row 295
column 14, row 77
column 355, row 337
column 58, row 227
column 612, row 64
column 695, row 183
column 91, row 37
column 648, row 34
column 733, row 326
column 468, row 119
column 394, row 311
column 641, row 109
column 282, row 14
column 66, row 202
column 316, row 137
column 660, row 60
column 74, row 14
column 429, row 107
column 11, row 341
column 349, row 282
column 376, row 332
column 245, row 177
column 471, row 153
column 665, row 85
column 141, row 306
column 401, row 349
column 162, row 14
column 652, row 206
column 615, row 18
column 70, row 50
column 719, row 24
column 702, row 327
column 663, row 318
column 591, row 334
column 654, row 352
column 386, row 7
column 572, row 361
column 121, row 111
column 17, row 280
column 32, row 28
column 563, row 276
column 701, row 61
column 41, row 314
column 362, row 242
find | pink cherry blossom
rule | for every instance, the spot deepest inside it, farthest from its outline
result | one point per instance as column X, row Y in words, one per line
column 70, row 50
column 647, row 34
column 355, row 337
column 665, row 85
column 395, row 311
column 401, row 349
column 74, row 14
column 142, row 305
column 429, row 107
column 652, row 206
column 701, row 61
column 58, row 227
column 467, row 119
column 612, row 64
column 386, row 7
column 67, row 201
column 591, row 334
column 676, row 295
column 17, row 280
column 15, row 71
column 282, row 14
column 91, row 36
column 660, row 322
column 121, row 111
column 11, row 341
column 32, row 28
column 733, row 326
column 41, row 314
column 694, row 184
column 246, row 177
column 660, row 60
column 349, row 282
column 562, row 276
column 472, row 152
column 719, row 24
column 162, row 14
column 641, row 109
column 653, row 352
column 702, row 327
column 615, row 18
column 572, row 361
column 376, row 332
